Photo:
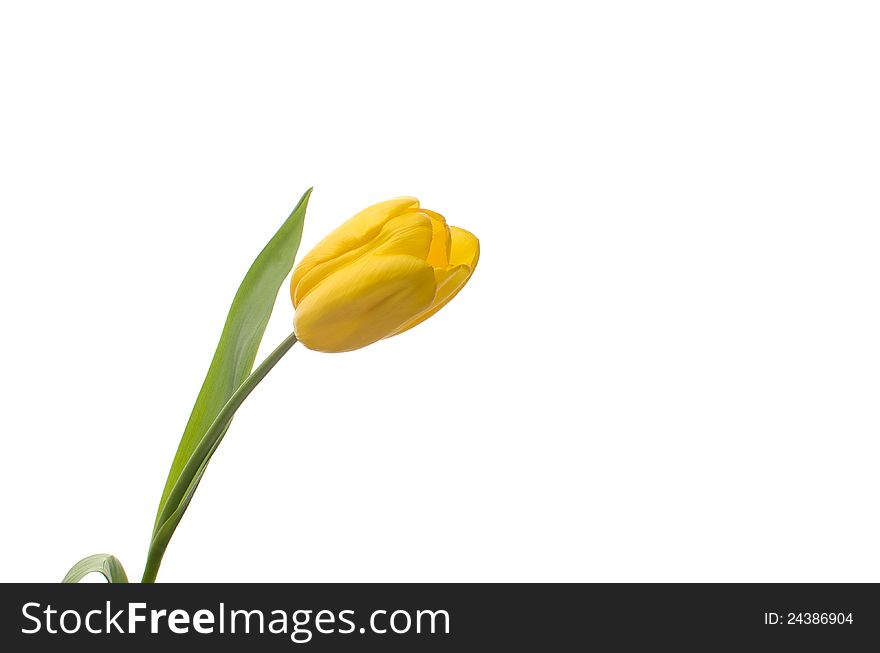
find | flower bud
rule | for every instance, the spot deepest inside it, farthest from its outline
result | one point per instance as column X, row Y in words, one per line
column 390, row 267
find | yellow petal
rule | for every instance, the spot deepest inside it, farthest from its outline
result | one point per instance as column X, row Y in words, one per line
column 440, row 242
column 350, row 235
column 449, row 281
column 465, row 249
column 364, row 302
column 464, row 255
column 408, row 234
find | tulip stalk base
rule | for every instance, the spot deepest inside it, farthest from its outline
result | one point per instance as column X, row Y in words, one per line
column 180, row 495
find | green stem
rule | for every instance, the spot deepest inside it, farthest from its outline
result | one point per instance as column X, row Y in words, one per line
column 178, row 498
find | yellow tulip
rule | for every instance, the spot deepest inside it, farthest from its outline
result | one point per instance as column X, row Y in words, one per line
column 390, row 267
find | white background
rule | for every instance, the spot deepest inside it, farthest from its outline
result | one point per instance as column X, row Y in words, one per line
column 666, row 367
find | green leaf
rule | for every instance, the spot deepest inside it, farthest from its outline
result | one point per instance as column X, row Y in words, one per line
column 103, row 563
column 182, row 492
column 239, row 342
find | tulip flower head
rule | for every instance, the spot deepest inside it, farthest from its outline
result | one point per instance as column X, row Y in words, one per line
column 390, row 267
